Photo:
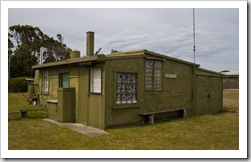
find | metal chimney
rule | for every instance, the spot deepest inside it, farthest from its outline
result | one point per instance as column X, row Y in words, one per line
column 89, row 43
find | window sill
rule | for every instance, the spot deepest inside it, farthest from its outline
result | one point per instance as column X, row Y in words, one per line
column 126, row 106
column 95, row 93
column 153, row 90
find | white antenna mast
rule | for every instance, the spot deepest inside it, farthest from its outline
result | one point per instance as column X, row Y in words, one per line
column 194, row 36
column 194, row 75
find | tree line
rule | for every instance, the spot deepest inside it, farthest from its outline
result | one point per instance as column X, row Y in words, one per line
column 25, row 44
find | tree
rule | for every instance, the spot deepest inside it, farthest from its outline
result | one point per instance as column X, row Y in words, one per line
column 55, row 50
column 10, row 46
column 22, row 61
column 24, row 44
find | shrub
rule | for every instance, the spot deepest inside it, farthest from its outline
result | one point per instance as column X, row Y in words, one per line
column 17, row 84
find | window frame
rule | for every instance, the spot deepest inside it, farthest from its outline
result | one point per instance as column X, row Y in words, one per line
column 91, row 82
column 60, row 83
column 125, row 105
column 153, row 88
column 45, row 78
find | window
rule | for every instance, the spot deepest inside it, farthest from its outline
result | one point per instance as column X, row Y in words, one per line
column 157, row 75
column 149, row 75
column 95, row 80
column 153, row 75
column 45, row 82
column 63, row 80
column 126, row 88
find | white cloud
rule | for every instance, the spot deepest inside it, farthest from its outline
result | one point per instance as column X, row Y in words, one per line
column 166, row 31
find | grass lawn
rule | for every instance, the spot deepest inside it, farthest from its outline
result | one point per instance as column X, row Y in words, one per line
column 205, row 132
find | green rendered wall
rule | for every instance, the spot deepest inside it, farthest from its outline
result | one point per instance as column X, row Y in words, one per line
column 115, row 115
column 177, row 92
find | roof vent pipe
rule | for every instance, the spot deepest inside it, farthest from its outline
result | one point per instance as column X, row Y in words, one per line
column 89, row 43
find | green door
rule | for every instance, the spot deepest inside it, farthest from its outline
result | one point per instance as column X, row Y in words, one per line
column 208, row 94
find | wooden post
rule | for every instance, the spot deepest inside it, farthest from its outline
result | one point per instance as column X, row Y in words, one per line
column 23, row 113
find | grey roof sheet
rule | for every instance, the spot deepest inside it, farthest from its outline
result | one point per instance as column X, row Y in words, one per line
column 231, row 72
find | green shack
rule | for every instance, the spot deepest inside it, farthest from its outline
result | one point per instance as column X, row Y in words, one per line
column 125, row 88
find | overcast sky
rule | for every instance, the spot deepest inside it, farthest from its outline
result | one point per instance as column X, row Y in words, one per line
column 165, row 31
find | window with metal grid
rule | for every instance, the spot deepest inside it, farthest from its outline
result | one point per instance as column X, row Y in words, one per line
column 126, row 88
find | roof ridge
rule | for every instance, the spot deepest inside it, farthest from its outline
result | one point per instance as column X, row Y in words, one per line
column 131, row 52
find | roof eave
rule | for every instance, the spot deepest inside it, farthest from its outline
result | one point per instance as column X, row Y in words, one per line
column 170, row 58
column 210, row 71
column 71, row 61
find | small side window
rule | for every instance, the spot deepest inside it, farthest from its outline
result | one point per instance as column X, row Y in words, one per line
column 64, row 80
column 45, row 81
column 95, row 80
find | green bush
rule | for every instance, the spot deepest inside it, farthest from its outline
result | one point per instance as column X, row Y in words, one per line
column 17, row 84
